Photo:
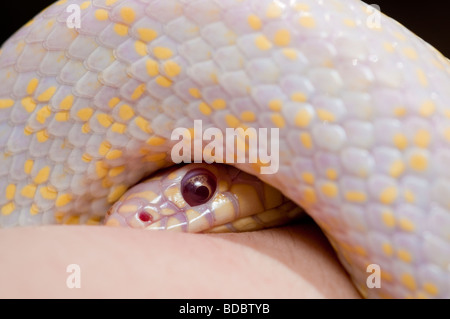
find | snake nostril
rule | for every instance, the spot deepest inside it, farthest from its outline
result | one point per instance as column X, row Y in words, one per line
column 145, row 217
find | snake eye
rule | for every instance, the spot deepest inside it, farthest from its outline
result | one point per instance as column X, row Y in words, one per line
column 198, row 186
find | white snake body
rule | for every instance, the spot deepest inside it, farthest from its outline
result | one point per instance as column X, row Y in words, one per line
column 362, row 106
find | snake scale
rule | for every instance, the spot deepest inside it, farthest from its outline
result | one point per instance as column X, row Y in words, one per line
column 361, row 105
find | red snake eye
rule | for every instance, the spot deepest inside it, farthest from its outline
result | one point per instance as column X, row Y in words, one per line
column 198, row 186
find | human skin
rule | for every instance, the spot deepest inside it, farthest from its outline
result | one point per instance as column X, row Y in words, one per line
column 288, row 262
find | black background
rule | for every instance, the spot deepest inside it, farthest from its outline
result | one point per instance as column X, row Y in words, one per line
column 428, row 19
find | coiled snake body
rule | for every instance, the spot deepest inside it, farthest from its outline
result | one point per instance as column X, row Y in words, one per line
column 361, row 104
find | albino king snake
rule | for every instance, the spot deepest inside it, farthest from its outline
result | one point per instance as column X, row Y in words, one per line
column 362, row 108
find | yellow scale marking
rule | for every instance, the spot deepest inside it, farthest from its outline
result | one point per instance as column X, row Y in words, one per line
column 43, row 114
column 10, row 191
column 273, row 11
column 105, row 120
column 162, row 53
column 104, row 148
column 113, row 102
column 48, row 192
column 85, row 114
column 397, row 168
column 355, row 196
column 29, row 190
column 126, row 112
column 308, row 177
column 85, row 5
column 42, row 175
column 163, row 81
column 172, row 69
column 62, row 116
column 427, row 109
column 278, row 120
column 128, row 14
column 121, row 29
column 147, row 35
column 307, row 22
column 156, row 141
column 8, row 209
column 330, row 189
column 6, row 103
column 263, row 43
column 247, row 116
column 325, row 115
column 282, row 37
column 67, row 102
column 47, row 94
column 32, row 85
column 42, row 136
column 276, row 105
column 306, row 140
column 303, row 118
column 194, row 92
column 152, row 67
column 418, row 162
column 28, row 104
column 219, row 104
column 299, row 97
column 143, row 124
column 388, row 195
column 118, row 128
column 254, row 22
column 101, row 14
column 331, row 174
column 138, row 92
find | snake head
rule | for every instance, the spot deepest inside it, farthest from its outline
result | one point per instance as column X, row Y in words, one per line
column 202, row 198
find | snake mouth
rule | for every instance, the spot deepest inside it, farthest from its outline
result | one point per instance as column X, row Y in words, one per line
column 112, row 218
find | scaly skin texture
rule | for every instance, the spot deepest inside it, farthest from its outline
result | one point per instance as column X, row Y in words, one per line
column 238, row 202
column 362, row 109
